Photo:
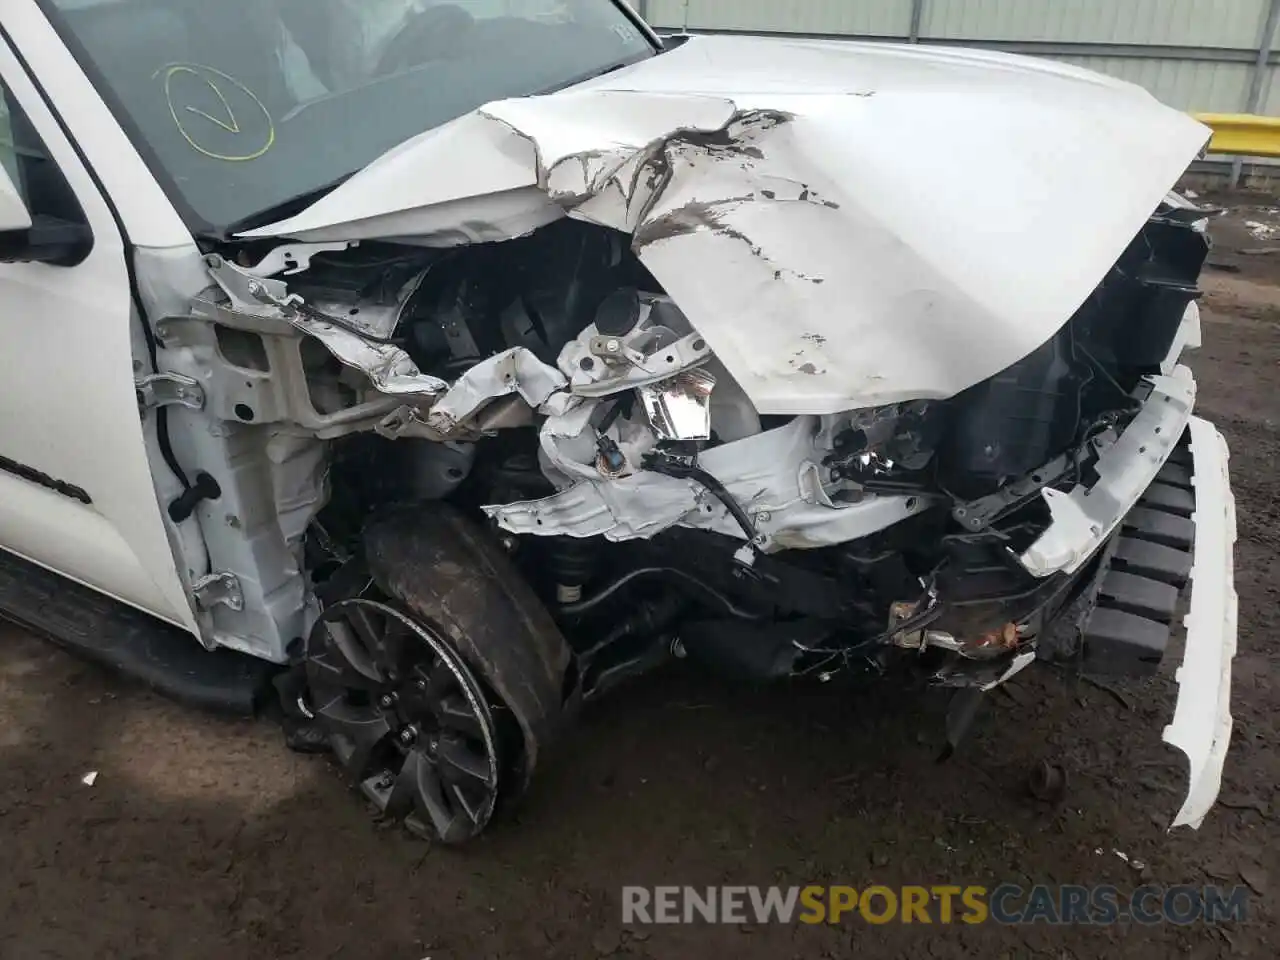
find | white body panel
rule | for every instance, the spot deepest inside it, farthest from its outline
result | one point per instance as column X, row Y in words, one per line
column 847, row 224
column 68, row 407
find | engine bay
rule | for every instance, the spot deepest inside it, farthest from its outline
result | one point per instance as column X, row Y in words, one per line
column 550, row 389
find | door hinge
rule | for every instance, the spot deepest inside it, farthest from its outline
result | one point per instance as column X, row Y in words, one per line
column 166, row 389
column 218, row 588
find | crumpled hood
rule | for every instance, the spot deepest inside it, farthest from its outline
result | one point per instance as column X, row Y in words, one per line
column 848, row 224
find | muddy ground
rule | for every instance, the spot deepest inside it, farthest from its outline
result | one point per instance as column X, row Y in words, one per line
column 207, row 838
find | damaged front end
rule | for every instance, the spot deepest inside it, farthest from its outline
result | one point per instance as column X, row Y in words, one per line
column 703, row 398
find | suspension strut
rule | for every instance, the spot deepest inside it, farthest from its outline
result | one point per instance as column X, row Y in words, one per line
column 571, row 561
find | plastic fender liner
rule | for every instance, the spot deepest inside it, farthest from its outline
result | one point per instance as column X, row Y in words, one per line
column 451, row 574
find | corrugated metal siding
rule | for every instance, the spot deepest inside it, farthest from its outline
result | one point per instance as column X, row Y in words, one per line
column 1204, row 61
column 1199, row 23
column 876, row 18
column 1192, row 23
column 1185, row 84
column 1271, row 94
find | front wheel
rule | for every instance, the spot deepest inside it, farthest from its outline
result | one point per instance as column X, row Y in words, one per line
column 406, row 718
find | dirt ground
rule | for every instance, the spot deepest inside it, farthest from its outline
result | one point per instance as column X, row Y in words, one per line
column 206, row 838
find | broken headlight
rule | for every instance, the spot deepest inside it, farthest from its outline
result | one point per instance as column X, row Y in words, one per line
column 887, row 446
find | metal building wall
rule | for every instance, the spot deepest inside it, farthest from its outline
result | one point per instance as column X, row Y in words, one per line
column 1189, row 23
column 1196, row 55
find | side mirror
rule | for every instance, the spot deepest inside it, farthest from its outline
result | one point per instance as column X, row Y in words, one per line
column 13, row 212
column 39, row 239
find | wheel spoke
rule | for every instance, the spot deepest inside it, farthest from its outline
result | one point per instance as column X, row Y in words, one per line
column 462, row 764
column 398, row 646
column 360, row 729
column 439, row 679
column 454, row 713
column 333, row 671
column 469, row 807
column 403, row 799
column 369, row 630
column 342, row 641
column 432, row 802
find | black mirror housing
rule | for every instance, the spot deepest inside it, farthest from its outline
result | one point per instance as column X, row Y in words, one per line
column 50, row 240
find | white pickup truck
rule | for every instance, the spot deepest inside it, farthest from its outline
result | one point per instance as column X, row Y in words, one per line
column 425, row 368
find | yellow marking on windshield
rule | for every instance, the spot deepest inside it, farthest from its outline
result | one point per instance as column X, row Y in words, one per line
column 214, row 80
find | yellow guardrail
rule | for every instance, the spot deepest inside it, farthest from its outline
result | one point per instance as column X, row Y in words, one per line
column 1243, row 134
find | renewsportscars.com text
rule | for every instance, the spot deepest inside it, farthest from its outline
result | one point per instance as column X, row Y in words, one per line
column 937, row 904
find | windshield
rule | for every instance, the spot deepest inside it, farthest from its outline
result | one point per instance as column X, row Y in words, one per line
column 242, row 105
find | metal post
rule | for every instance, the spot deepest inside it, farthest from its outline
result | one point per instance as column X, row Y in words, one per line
column 917, row 15
column 1261, row 73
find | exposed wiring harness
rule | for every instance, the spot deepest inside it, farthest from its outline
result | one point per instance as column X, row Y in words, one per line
column 671, row 467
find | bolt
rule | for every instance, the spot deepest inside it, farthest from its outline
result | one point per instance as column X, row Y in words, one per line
column 408, row 735
column 613, row 346
column 433, row 745
column 420, row 684
column 255, row 288
column 386, row 701
column 824, row 677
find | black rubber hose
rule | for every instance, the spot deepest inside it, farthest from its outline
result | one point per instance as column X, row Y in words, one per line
column 166, row 447
column 670, row 573
column 619, row 407
column 717, row 489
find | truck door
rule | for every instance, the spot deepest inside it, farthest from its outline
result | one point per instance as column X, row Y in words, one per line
column 76, row 492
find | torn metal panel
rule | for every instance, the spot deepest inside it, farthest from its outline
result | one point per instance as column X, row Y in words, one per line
column 776, row 475
column 489, row 193
column 468, row 407
column 391, row 370
column 787, row 194
column 512, row 371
